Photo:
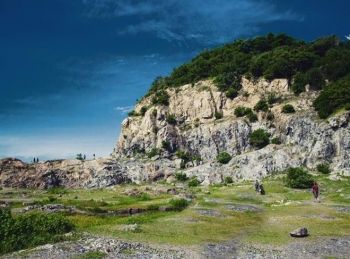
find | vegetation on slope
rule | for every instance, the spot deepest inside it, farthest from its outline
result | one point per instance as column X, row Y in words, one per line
column 323, row 64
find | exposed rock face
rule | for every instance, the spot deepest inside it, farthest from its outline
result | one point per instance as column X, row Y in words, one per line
column 305, row 141
column 68, row 173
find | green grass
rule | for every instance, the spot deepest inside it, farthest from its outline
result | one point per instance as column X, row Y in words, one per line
column 283, row 210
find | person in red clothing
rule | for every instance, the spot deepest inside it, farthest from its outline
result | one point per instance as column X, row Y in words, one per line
column 314, row 190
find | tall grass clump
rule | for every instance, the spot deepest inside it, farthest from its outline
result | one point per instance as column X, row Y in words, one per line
column 179, row 204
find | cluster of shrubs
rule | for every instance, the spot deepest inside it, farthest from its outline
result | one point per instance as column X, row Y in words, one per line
column 30, row 230
column 241, row 111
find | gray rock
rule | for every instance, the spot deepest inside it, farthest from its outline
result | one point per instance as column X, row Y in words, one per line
column 300, row 232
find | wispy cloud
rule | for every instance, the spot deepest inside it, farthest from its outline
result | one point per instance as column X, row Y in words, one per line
column 124, row 109
column 204, row 21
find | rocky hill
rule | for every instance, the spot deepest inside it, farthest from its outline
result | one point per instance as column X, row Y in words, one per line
column 149, row 147
column 305, row 140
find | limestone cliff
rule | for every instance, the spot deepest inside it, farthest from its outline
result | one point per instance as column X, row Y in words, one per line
column 305, row 140
column 196, row 130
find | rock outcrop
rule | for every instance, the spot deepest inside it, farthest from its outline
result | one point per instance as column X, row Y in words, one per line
column 305, row 139
column 197, row 131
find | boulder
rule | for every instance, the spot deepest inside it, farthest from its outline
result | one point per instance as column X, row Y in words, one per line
column 300, row 232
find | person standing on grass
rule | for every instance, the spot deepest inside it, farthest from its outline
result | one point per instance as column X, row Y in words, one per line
column 256, row 185
column 314, row 190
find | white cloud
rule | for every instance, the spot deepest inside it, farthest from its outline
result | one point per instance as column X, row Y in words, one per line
column 205, row 21
column 124, row 109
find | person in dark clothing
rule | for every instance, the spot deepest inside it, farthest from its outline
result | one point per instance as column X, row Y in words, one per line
column 314, row 190
column 262, row 190
column 256, row 186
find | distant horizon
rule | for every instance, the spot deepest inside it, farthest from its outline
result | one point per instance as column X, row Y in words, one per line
column 68, row 81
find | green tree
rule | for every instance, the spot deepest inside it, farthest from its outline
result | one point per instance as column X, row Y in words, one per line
column 332, row 97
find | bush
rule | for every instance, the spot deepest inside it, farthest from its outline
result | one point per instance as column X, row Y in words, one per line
column 154, row 112
column 193, row 181
column 288, row 108
column 276, row 141
column 143, row 110
column 182, row 165
column 181, row 176
column 272, row 98
column 231, row 93
column 261, row 106
column 30, row 230
column 153, row 152
column 132, row 113
column 228, row 179
column 298, row 178
column 252, row 117
column 218, row 115
column 182, row 155
column 270, row 116
column 165, row 145
column 161, row 97
column 224, row 158
column 170, row 119
column 239, row 111
column 323, row 168
column 179, row 203
column 259, row 138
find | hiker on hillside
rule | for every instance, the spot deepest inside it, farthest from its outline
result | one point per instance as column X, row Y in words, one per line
column 256, row 186
column 261, row 190
column 314, row 190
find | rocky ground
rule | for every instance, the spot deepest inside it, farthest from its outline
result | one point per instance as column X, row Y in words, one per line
column 113, row 248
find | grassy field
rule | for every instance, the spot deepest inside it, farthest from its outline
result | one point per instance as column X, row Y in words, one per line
column 210, row 216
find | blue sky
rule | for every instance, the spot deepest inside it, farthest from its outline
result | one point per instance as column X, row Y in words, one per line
column 71, row 70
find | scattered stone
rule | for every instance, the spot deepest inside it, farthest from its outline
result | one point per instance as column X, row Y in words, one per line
column 243, row 207
column 212, row 213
